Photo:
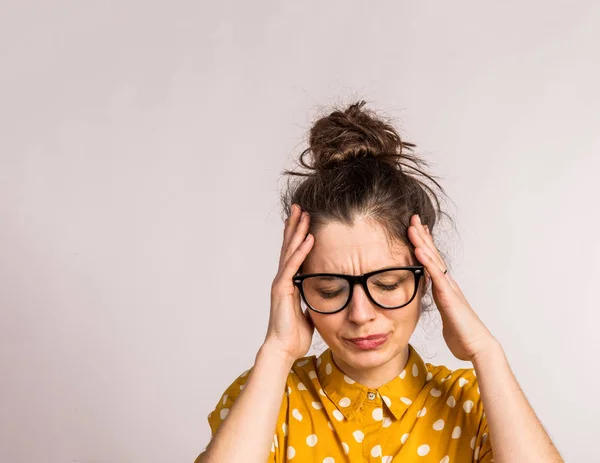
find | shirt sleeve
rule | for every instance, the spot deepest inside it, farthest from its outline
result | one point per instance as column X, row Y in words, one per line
column 221, row 410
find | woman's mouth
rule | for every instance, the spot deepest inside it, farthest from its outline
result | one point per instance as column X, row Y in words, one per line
column 372, row 341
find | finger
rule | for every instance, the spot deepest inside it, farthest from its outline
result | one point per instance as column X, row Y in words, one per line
column 298, row 236
column 291, row 222
column 419, row 241
column 424, row 233
column 437, row 275
column 291, row 225
column 288, row 228
column 292, row 265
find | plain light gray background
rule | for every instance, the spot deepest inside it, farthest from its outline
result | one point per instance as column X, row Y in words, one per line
column 141, row 146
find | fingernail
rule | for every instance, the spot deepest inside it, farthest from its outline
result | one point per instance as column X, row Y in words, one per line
column 418, row 218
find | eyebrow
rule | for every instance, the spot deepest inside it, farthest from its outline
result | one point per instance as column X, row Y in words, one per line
column 374, row 270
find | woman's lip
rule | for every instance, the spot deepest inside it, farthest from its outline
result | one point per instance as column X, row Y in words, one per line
column 369, row 342
column 371, row 336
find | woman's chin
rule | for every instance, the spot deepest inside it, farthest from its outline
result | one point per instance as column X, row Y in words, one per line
column 366, row 359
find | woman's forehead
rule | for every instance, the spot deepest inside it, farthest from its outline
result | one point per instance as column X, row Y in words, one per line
column 354, row 249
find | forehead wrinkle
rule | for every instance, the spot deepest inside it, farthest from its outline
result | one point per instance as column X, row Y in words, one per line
column 354, row 259
column 354, row 250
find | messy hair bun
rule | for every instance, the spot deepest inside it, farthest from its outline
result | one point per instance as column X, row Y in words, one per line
column 352, row 134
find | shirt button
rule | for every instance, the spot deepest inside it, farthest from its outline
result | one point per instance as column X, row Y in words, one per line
column 371, row 395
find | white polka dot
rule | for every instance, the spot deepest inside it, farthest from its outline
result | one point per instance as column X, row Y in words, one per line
column 329, row 460
column 338, row 415
column 244, row 373
column 423, row 450
column 358, row 436
column 473, row 443
column 404, row 437
column 484, row 437
column 344, row 402
column 330, row 425
column 476, row 455
column 405, row 400
column 446, row 459
column 301, row 363
column 223, row 413
column 311, row 440
column 377, row 414
column 273, row 447
column 288, row 391
column 376, row 451
column 349, row 380
column 346, row 448
column 421, row 412
column 291, row 452
column 301, row 387
column 462, row 381
column 317, row 405
column 296, row 414
column 468, row 406
column 387, row 400
column 284, row 428
column 328, row 368
column 429, row 376
column 435, row 392
column 474, row 373
column 241, row 387
column 321, row 392
column 478, row 390
column 438, row 425
column 318, row 361
column 225, row 398
column 403, row 374
column 451, row 401
column 387, row 422
column 312, row 374
column 386, row 459
column 275, row 440
column 456, row 432
column 415, row 370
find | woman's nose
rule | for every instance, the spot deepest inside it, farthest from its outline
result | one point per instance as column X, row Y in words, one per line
column 360, row 308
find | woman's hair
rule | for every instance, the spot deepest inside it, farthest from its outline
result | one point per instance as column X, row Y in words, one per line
column 359, row 166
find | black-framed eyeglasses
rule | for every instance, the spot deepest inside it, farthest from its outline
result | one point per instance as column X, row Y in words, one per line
column 388, row 288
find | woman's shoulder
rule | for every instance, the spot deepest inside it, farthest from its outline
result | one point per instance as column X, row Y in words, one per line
column 461, row 376
column 301, row 374
column 457, row 386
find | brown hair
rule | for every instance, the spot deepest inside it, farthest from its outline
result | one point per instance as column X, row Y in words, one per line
column 360, row 167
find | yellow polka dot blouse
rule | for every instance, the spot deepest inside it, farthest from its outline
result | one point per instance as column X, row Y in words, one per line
column 426, row 414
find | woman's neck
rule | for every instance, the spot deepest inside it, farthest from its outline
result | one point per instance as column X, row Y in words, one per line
column 375, row 377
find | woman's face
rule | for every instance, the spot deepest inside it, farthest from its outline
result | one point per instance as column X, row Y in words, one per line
column 357, row 250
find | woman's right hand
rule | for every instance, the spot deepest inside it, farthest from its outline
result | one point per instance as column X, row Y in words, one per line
column 290, row 330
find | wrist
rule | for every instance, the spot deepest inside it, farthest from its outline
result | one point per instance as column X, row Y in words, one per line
column 273, row 353
column 489, row 353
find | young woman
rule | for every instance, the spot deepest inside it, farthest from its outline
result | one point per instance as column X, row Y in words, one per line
column 358, row 255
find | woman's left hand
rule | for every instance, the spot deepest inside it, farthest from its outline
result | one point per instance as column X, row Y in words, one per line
column 464, row 332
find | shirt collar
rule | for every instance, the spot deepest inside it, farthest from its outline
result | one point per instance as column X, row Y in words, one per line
column 397, row 394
